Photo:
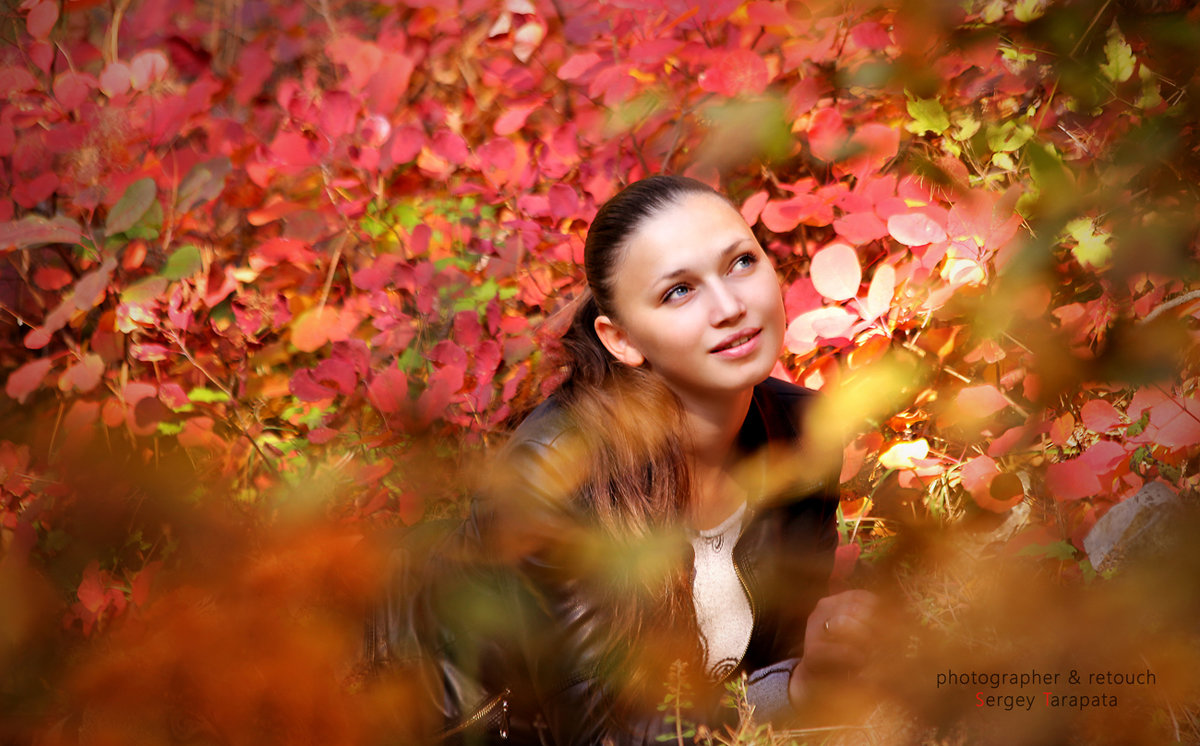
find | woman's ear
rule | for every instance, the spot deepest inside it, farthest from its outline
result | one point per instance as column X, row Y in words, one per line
column 616, row 341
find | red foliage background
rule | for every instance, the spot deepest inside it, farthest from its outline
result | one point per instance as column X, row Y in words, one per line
column 301, row 253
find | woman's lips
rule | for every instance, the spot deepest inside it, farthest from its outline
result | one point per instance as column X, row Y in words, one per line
column 738, row 345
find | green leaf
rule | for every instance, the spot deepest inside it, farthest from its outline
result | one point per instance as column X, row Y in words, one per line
column 1118, row 55
column 131, row 207
column 183, row 262
column 170, row 428
column 1008, row 137
column 1028, row 10
column 204, row 183
column 144, row 290
column 207, row 396
column 928, row 116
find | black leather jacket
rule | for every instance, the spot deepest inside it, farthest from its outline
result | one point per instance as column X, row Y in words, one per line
column 517, row 644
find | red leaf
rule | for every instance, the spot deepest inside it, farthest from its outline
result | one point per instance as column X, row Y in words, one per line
column 173, row 395
column 860, row 227
column 361, row 58
column 389, row 84
column 781, row 216
column 736, row 72
column 149, row 66
column 1144, row 399
column 51, row 278
column 279, row 249
column 30, row 193
column 115, row 79
column 84, row 375
column 41, row 19
column 467, row 329
column 91, row 591
column 388, row 390
column 305, row 387
column 72, row 89
column 577, row 65
column 871, row 35
column 321, row 435
column 16, row 79
column 337, row 373
column 139, row 587
column 753, row 206
column 977, row 476
column 488, row 356
column 25, row 380
column 434, row 400
column 371, row 473
column 564, row 201
column 447, row 353
column 980, row 401
column 1099, row 416
column 872, row 145
column 514, row 118
column 915, row 229
column 845, row 558
column 451, row 147
column 1103, row 456
column 1175, row 423
column 835, row 271
column 827, row 135
column 1011, row 438
column 1071, row 480
column 149, row 353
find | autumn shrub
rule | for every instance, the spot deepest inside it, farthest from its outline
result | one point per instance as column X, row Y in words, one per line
column 275, row 264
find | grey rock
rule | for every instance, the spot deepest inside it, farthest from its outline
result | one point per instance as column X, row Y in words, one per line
column 1134, row 526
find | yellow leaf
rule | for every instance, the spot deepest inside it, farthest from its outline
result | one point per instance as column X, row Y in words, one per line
column 1118, row 65
column 1027, row 10
column 1091, row 249
column 901, row 454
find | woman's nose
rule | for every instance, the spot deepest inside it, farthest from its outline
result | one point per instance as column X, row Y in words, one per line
column 727, row 307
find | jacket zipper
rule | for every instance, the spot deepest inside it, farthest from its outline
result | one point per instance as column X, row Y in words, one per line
column 737, row 570
column 485, row 711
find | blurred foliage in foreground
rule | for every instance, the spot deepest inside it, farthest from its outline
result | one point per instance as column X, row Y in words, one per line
column 271, row 273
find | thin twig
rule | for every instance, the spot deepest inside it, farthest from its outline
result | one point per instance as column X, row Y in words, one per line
column 1178, row 300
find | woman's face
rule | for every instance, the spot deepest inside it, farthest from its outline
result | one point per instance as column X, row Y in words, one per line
column 697, row 299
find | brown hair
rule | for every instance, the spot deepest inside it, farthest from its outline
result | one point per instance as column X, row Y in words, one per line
column 637, row 487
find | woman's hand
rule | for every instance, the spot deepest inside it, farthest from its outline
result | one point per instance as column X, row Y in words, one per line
column 837, row 639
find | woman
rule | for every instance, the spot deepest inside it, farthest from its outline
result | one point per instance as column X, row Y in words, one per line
column 646, row 532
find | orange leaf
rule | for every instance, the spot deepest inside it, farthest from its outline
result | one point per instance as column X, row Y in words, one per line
column 980, row 401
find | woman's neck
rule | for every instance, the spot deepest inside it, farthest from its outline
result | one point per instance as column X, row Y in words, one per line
column 714, row 423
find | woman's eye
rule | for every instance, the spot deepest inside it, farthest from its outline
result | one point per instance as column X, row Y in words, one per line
column 744, row 261
column 675, row 293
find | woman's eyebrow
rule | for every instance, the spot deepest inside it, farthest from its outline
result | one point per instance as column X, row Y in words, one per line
column 730, row 249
